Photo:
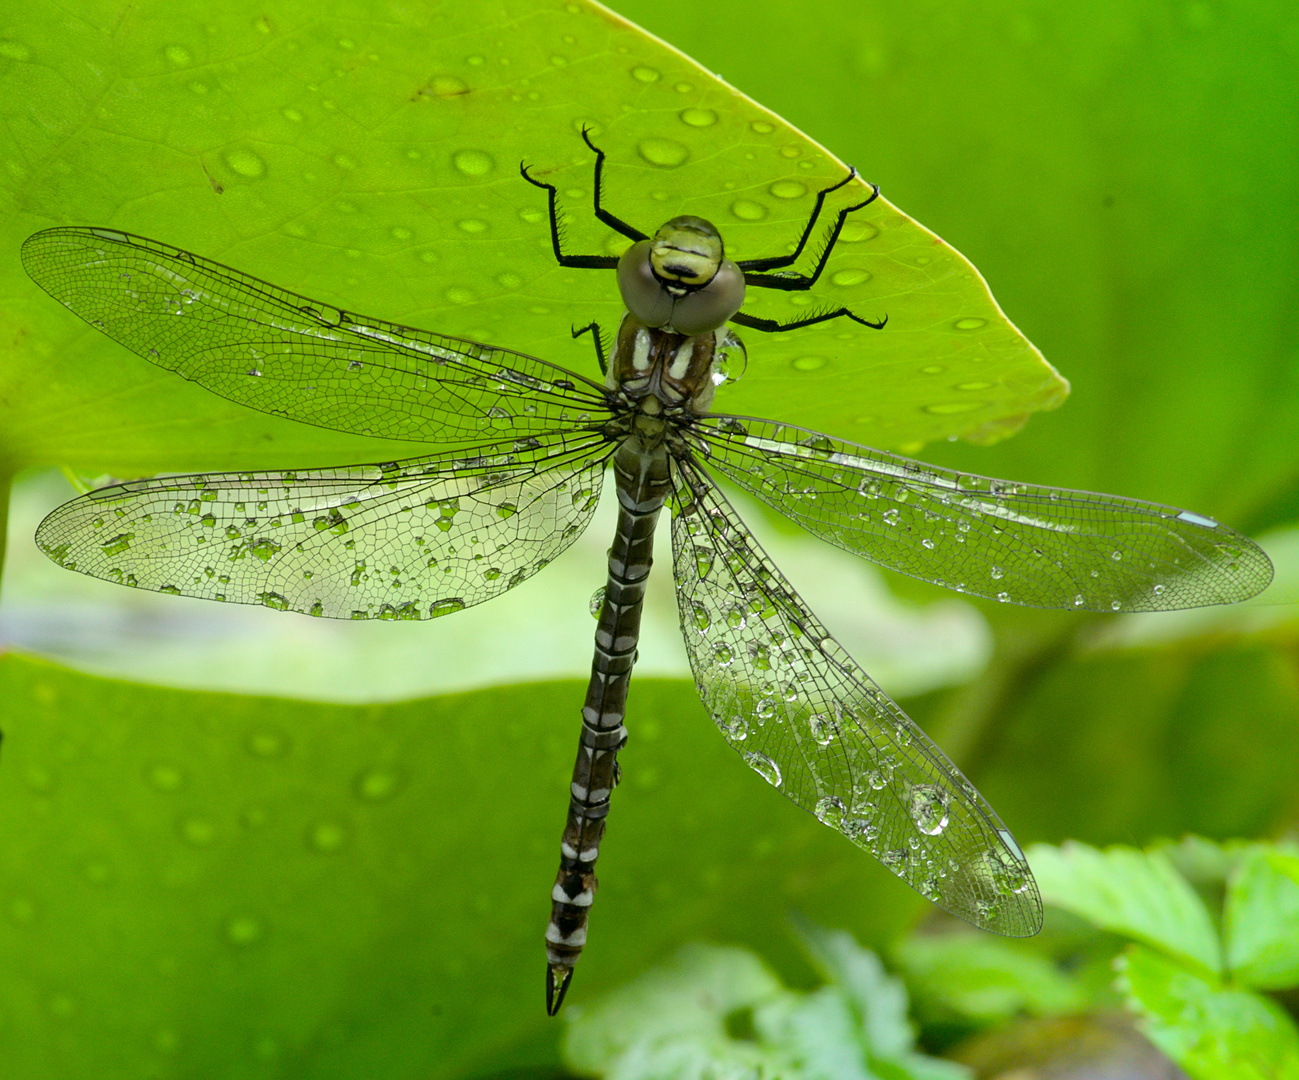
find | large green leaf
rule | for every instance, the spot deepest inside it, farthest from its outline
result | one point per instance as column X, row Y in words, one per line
column 369, row 157
column 213, row 884
column 1130, row 892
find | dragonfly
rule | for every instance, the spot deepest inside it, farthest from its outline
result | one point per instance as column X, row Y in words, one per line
column 519, row 447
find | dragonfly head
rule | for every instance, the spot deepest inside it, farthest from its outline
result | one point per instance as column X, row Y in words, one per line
column 681, row 279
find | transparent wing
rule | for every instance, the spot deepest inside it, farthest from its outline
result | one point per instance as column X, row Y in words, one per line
column 1018, row 543
column 408, row 540
column 281, row 353
column 809, row 721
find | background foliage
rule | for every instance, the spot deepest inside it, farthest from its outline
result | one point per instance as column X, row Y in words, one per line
column 201, row 883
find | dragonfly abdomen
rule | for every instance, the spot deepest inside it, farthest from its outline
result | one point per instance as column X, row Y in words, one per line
column 642, row 482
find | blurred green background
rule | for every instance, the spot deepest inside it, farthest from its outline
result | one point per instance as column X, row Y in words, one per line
column 217, row 883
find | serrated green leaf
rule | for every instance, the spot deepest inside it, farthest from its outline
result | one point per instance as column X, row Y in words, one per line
column 688, row 998
column 1213, row 1032
column 986, row 979
column 1261, row 921
column 879, row 999
column 690, row 1019
column 1129, row 892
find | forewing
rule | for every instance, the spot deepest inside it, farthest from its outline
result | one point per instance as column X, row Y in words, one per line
column 272, row 350
column 803, row 715
column 412, row 539
column 1017, row 543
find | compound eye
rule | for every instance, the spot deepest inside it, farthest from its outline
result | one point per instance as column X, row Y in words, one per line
column 708, row 308
column 641, row 291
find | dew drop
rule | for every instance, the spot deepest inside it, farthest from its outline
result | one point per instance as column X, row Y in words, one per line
column 459, row 295
column 509, row 281
column 849, row 276
column 700, row 118
column 266, row 743
column 473, row 162
column 377, row 785
column 473, row 226
column 243, row 930
column 178, row 55
column 737, row 729
column 166, row 777
column 197, row 831
column 664, row 153
column 830, row 811
column 932, row 369
column 788, row 189
column 245, row 163
column 976, row 385
column 292, row 114
column 446, row 86
column 748, row 210
column 326, row 837
column 762, row 127
column 645, row 74
column 597, row 601
column 1116, row 605
column 808, row 363
column 857, row 232
column 927, row 804
column 445, row 607
column 764, row 767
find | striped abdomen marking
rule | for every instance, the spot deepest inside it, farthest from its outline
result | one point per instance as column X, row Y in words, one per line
column 642, row 482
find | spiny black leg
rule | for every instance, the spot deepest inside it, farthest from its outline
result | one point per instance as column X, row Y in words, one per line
column 775, row 262
column 798, row 282
column 616, row 223
column 580, row 262
column 774, row 326
column 593, row 328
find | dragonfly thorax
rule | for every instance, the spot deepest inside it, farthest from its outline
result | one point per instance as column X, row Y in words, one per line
column 660, row 370
column 681, row 280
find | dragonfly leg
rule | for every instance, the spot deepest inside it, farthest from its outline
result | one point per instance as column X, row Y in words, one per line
column 631, row 232
column 775, row 326
column 754, row 269
column 597, row 336
column 582, row 262
column 777, row 262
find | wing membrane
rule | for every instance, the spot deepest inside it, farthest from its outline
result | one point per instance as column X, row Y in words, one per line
column 803, row 715
column 407, row 540
column 276, row 351
column 1018, row 543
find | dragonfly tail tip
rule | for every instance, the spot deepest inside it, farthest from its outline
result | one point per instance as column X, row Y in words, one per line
column 558, row 976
